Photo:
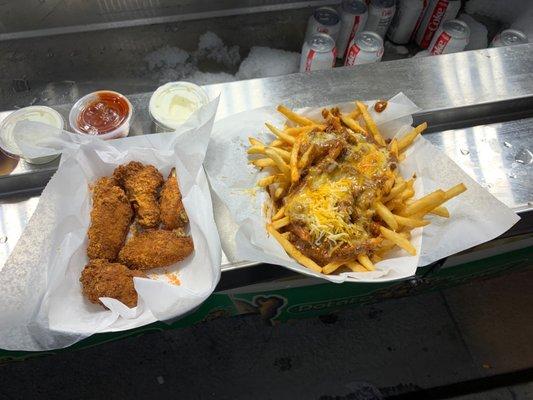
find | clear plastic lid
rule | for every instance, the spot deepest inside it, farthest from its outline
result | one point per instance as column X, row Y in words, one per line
column 42, row 114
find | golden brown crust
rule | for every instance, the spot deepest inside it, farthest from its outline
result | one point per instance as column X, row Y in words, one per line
column 173, row 214
column 141, row 183
column 110, row 219
column 155, row 248
column 101, row 278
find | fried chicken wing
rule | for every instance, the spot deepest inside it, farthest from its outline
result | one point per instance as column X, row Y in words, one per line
column 173, row 214
column 155, row 248
column 141, row 183
column 110, row 219
column 101, row 278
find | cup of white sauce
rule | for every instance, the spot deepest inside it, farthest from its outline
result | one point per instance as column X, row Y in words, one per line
column 42, row 114
column 173, row 103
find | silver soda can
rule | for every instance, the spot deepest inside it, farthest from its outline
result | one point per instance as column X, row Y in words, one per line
column 437, row 12
column 318, row 52
column 509, row 37
column 354, row 14
column 408, row 13
column 451, row 37
column 324, row 20
column 380, row 14
column 365, row 48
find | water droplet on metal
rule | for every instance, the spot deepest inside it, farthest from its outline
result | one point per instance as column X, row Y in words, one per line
column 3, row 239
column 523, row 156
column 507, row 144
column 465, row 152
column 512, row 176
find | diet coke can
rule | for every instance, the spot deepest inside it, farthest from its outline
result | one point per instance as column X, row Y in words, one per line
column 451, row 37
column 318, row 52
column 324, row 20
column 509, row 37
column 354, row 14
column 437, row 12
column 380, row 13
column 365, row 48
column 408, row 13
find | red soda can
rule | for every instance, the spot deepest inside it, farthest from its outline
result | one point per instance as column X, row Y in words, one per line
column 365, row 48
column 437, row 12
column 318, row 52
column 451, row 37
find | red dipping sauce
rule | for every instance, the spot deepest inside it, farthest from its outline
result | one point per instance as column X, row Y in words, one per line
column 103, row 114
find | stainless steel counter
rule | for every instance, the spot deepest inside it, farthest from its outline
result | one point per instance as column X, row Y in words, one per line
column 478, row 105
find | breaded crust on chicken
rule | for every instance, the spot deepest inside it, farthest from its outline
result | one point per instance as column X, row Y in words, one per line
column 173, row 214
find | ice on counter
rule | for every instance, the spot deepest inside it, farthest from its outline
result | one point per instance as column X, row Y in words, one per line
column 212, row 47
column 264, row 61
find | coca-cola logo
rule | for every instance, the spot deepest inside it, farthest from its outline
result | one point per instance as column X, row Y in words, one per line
column 440, row 43
column 434, row 21
column 352, row 55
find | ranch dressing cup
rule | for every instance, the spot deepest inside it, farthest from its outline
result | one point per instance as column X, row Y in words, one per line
column 42, row 114
column 173, row 103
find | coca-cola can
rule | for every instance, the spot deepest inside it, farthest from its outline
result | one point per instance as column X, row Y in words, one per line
column 437, row 12
column 509, row 37
column 354, row 14
column 365, row 48
column 324, row 20
column 318, row 52
column 451, row 37
column 408, row 13
column 380, row 14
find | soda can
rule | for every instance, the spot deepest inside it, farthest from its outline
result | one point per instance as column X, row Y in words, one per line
column 451, row 37
column 365, row 48
column 437, row 12
column 408, row 13
column 380, row 13
column 354, row 14
column 324, row 20
column 509, row 37
column 318, row 52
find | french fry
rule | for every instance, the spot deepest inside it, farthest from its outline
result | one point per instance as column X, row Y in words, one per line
column 263, row 163
column 352, row 124
column 395, row 191
column 386, row 215
column 455, row 191
column 355, row 113
column 425, row 204
column 282, row 166
column 305, row 158
column 410, row 222
column 303, row 130
column 256, row 150
column 279, row 214
column 283, row 136
column 441, row 211
column 398, row 239
column 279, row 192
column 355, row 266
column 280, row 223
column 255, row 142
column 269, row 180
column 365, row 262
column 285, row 155
column 293, row 251
column 278, row 143
column 370, row 124
column 331, row 267
column 407, row 193
column 406, row 141
column 393, row 147
column 297, row 119
column 295, row 173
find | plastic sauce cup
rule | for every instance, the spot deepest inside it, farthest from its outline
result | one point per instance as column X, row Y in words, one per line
column 173, row 103
column 42, row 114
column 105, row 114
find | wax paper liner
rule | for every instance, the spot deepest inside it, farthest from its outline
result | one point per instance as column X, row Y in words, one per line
column 42, row 306
column 476, row 215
